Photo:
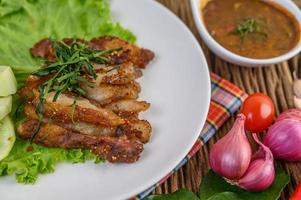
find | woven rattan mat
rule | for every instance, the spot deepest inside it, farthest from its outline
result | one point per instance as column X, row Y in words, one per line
column 275, row 80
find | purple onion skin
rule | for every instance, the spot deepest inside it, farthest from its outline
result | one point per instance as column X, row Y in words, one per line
column 294, row 114
column 231, row 155
column 261, row 172
column 284, row 139
column 259, row 176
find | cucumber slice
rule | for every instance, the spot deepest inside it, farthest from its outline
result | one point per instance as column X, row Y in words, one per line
column 8, row 81
column 7, row 137
column 5, row 106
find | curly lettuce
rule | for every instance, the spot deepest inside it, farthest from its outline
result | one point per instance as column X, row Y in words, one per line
column 22, row 24
column 27, row 161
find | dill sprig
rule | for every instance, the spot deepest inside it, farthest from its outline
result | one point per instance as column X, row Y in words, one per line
column 72, row 62
column 247, row 26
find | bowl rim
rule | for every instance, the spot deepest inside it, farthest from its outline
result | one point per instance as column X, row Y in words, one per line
column 238, row 59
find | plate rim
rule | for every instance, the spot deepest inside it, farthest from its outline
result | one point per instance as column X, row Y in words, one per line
column 147, row 186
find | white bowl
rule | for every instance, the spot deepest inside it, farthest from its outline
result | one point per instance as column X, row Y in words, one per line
column 237, row 59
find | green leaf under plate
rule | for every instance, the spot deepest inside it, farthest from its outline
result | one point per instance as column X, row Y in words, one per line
column 215, row 187
column 178, row 195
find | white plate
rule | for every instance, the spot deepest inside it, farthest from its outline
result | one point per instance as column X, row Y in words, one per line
column 177, row 84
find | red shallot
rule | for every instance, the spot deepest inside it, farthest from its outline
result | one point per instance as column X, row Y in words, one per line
column 261, row 173
column 231, row 155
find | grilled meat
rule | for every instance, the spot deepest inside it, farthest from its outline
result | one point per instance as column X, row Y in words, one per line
column 136, row 129
column 105, row 118
column 130, row 53
column 140, row 57
column 112, row 149
column 63, row 110
column 107, row 93
column 119, row 74
column 103, row 94
column 43, row 49
column 133, row 129
column 127, row 107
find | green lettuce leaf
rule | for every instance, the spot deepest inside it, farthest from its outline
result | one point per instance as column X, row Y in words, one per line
column 27, row 161
column 22, row 24
column 214, row 187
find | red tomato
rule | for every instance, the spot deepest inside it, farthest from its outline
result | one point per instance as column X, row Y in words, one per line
column 259, row 111
column 297, row 193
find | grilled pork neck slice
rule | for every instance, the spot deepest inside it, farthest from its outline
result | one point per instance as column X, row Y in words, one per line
column 105, row 119
column 113, row 149
column 133, row 129
column 119, row 74
column 140, row 57
column 103, row 94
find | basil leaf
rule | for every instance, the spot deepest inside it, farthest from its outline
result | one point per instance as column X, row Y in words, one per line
column 178, row 195
column 214, row 187
column 224, row 196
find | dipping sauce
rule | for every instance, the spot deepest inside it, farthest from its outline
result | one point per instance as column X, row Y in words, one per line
column 252, row 28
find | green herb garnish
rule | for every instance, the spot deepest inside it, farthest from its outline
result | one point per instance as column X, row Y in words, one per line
column 73, row 61
column 73, row 106
column 247, row 26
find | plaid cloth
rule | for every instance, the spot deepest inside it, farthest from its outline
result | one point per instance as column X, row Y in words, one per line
column 225, row 100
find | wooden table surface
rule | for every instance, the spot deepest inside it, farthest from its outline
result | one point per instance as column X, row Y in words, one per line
column 276, row 81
